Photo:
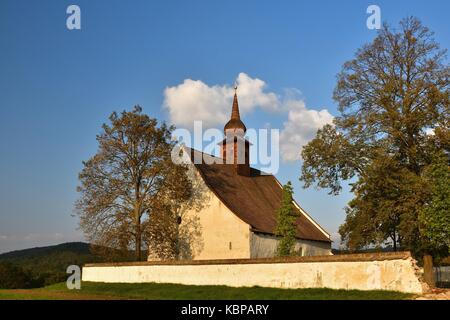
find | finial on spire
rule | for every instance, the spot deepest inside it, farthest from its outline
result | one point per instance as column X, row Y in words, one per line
column 235, row 88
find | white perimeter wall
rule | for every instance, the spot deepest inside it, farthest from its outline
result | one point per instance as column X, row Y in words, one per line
column 394, row 274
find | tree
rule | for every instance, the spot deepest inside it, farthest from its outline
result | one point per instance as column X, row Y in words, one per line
column 14, row 277
column 286, row 223
column 386, row 195
column 173, row 233
column 130, row 182
column 390, row 96
column 434, row 216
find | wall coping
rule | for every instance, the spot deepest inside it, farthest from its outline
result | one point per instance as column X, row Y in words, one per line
column 379, row 256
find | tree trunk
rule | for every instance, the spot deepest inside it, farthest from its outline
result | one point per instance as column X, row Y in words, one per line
column 138, row 239
column 137, row 212
column 395, row 242
column 428, row 272
column 177, row 248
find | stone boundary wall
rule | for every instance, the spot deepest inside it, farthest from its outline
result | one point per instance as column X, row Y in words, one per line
column 369, row 271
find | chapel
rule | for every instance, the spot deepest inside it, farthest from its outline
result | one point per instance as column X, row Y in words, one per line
column 238, row 215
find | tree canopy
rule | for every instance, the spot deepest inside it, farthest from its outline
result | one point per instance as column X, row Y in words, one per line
column 131, row 184
column 393, row 100
column 434, row 217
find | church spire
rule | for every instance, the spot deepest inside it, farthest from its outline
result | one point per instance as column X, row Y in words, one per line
column 235, row 148
column 235, row 125
column 235, row 109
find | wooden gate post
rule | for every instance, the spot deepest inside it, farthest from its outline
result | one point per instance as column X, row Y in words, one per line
column 428, row 272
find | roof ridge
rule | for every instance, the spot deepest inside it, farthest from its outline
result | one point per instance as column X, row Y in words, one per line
column 263, row 173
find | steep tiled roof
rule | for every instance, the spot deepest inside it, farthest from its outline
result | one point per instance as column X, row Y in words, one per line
column 254, row 199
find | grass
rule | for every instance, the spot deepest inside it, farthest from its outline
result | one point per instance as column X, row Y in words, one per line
column 153, row 291
column 7, row 295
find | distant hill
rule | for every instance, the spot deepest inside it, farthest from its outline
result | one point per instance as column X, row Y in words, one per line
column 75, row 247
column 61, row 254
column 49, row 264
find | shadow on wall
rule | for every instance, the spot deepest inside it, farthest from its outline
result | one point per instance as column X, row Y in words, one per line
column 175, row 233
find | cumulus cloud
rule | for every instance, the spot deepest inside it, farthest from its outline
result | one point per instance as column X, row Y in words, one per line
column 194, row 100
column 300, row 128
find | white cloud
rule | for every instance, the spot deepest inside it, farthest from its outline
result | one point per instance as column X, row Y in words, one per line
column 44, row 236
column 300, row 128
column 252, row 95
column 336, row 238
column 193, row 100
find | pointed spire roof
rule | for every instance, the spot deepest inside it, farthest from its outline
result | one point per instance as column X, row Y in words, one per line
column 235, row 123
column 235, row 110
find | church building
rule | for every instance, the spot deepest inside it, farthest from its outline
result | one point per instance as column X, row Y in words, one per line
column 238, row 215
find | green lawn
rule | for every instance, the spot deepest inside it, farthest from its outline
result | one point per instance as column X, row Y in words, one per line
column 13, row 295
column 152, row 291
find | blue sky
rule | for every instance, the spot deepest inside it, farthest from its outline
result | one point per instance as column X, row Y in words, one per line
column 58, row 86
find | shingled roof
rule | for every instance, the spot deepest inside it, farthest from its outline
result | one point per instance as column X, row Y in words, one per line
column 254, row 199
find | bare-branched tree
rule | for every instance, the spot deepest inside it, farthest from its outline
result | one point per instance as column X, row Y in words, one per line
column 131, row 185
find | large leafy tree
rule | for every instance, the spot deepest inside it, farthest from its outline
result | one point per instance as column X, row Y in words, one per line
column 387, row 197
column 131, row 184
column 434, row 217
column 390, row 97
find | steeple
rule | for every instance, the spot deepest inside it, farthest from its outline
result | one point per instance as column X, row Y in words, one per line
column 235, row 124
column 235, row 148
column 235, row 109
